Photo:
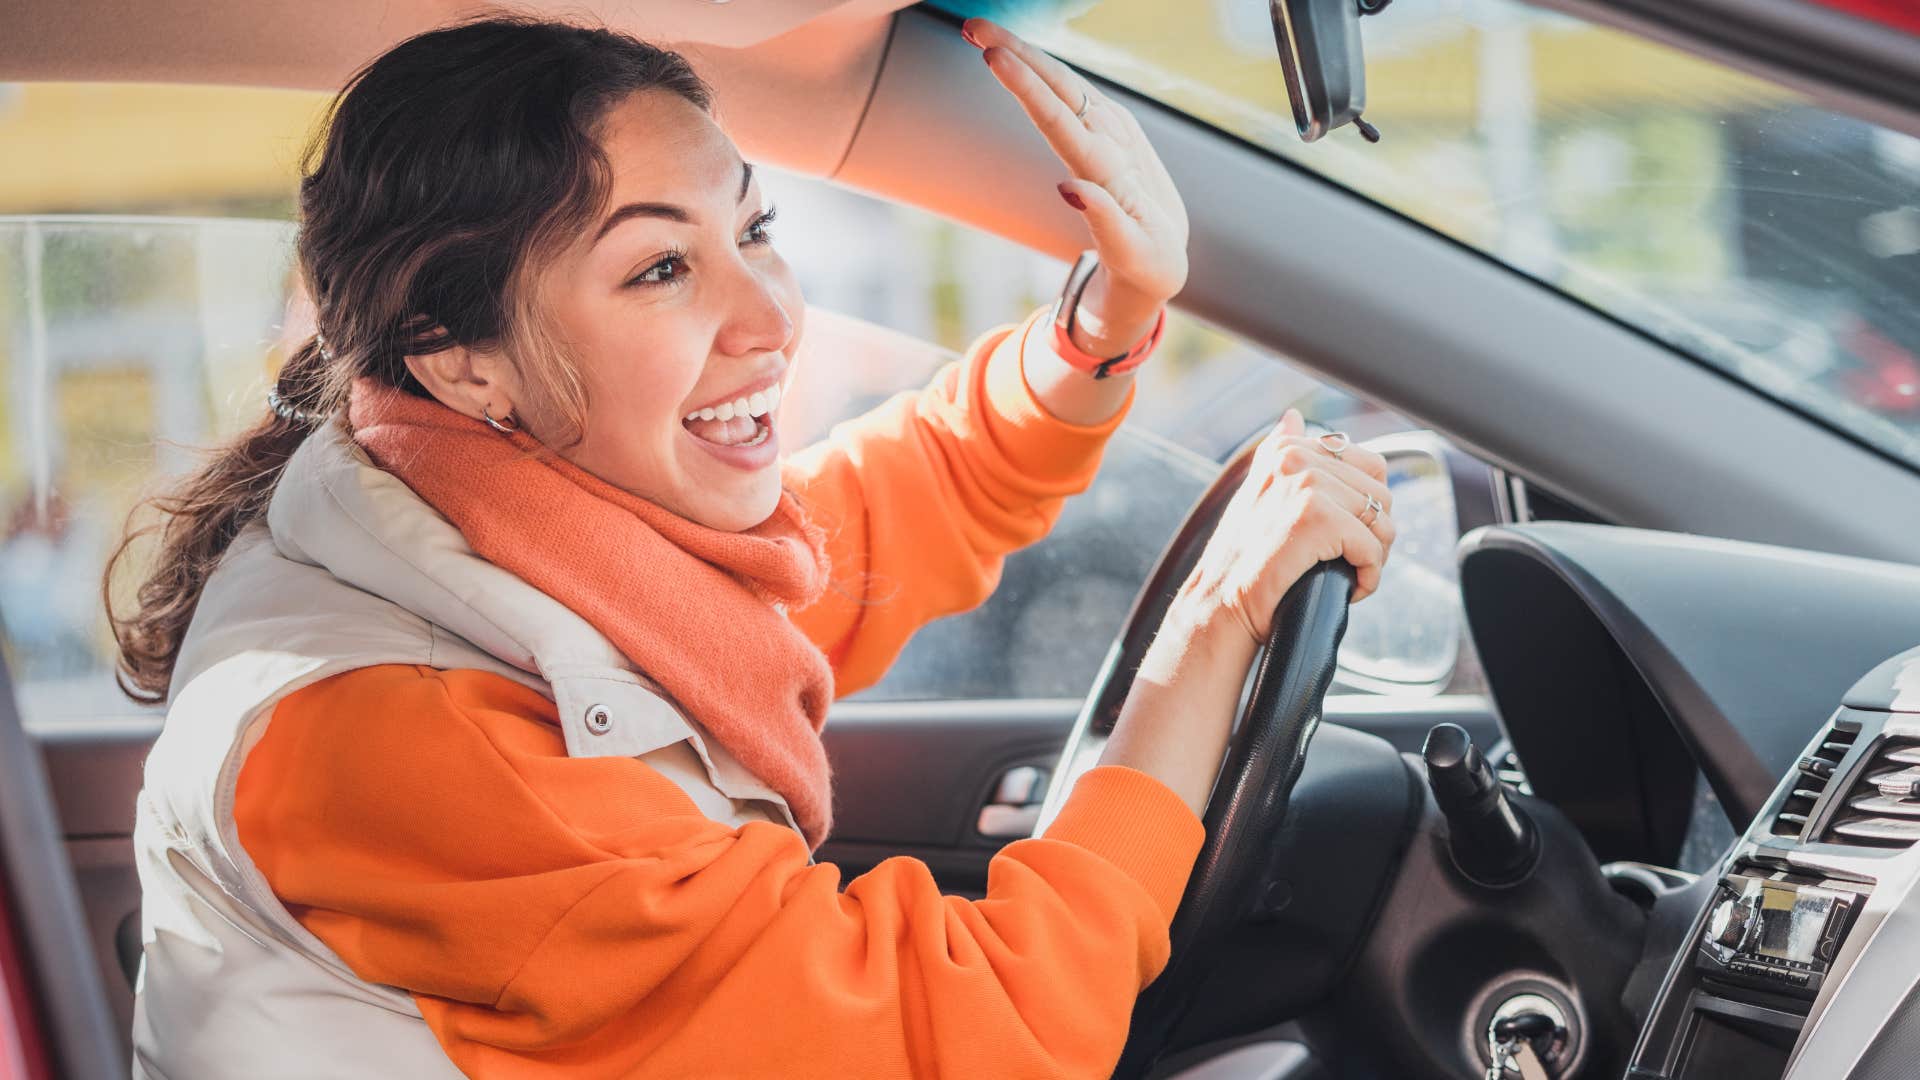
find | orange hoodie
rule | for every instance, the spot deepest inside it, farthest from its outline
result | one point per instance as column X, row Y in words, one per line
column 580, row 916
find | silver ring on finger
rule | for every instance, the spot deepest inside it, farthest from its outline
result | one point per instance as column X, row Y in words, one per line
column 1334, row 442
column 1086, row 102
column 1370, row 513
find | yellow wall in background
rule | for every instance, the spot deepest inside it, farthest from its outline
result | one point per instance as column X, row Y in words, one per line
column 106, row 147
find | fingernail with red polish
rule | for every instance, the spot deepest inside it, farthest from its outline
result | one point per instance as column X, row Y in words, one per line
column 987, row 55
column 968, row 34
column 1072, row 199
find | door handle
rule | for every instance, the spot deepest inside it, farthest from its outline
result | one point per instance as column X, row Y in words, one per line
column 1015, row 807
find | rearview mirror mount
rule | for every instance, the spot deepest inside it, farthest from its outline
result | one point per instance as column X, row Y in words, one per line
column 1319, row 42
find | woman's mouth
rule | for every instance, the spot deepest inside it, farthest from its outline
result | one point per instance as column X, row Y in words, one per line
column 745, row 421
column 739, row 432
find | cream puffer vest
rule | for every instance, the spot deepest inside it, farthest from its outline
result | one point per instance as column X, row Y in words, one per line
column 349, row 569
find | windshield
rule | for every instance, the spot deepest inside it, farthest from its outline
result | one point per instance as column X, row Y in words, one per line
column 1768, row 237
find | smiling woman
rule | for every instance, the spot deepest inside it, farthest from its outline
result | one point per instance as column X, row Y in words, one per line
column 671, row 303
column 496, row 655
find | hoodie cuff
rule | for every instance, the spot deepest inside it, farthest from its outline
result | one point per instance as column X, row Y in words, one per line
column 1138, row 824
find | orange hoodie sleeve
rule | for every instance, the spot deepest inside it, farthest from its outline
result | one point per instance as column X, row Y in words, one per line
column 923, row 497
column 580, row 917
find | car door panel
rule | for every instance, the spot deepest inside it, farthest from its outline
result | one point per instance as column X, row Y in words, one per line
column 913, row 777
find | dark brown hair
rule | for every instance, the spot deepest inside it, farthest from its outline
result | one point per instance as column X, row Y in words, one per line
column 447, row 170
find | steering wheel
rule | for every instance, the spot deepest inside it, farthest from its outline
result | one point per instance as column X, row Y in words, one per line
column 1264, row 755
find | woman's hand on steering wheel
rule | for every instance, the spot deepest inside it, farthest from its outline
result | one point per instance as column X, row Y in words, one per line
column 1300, row 505
column 1133, row 211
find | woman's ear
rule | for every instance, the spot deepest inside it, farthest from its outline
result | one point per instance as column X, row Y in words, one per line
column 473, row 382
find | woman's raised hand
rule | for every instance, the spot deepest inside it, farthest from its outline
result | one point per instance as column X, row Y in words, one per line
column 1299, row 506
column 1134, row 213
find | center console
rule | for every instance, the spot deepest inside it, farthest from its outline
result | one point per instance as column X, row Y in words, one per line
column 1774, row 932
column 1798, row 897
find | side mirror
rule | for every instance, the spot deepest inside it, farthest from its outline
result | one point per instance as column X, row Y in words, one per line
column 1319, row 42
column 1405, row 638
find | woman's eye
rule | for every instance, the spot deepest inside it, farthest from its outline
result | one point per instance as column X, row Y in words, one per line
column 653, row 275
column 757, row 231
column 672, row 269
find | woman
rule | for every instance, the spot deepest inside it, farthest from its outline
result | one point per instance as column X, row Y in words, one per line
column 496, row 656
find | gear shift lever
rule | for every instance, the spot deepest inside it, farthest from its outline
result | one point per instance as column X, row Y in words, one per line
column 1493, row 841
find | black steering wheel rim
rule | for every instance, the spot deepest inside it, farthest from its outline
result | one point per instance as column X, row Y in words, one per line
column 1249, row 801
column 1263, row 761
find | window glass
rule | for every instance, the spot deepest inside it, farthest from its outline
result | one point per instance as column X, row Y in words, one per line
column 124, row 345
column 143, row 312
column 1736, row 220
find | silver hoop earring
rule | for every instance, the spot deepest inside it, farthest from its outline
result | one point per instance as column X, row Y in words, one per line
column 486, row 413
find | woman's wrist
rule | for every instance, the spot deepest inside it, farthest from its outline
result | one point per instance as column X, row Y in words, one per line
column 1180, row 708
column 1068, row 393
column 1195, row 644
column 1113, row 316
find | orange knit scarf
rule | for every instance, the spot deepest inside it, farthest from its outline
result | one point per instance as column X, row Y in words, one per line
column 692, row 607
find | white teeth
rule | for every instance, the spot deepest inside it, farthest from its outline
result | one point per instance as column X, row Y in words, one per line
column 756, row 405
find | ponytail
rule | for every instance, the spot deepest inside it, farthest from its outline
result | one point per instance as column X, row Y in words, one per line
column 198, row 521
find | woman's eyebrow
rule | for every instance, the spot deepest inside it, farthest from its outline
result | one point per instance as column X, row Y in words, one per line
column 668, row 211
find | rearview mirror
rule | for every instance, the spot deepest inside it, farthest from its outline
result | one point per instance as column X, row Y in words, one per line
column 1326, row 74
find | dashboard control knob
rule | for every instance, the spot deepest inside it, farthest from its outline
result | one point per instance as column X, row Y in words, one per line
column 1902, row 784
column 1493, row 841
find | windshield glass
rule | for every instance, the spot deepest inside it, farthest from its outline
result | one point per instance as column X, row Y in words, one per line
column 1768, row 237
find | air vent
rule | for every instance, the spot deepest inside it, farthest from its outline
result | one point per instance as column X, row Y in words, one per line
column 1883, row 806
column 1810, row 779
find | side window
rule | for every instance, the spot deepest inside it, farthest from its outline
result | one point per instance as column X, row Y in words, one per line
column 124, row 344
column 145, row 272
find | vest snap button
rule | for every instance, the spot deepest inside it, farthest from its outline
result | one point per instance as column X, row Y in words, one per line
column 599, row 719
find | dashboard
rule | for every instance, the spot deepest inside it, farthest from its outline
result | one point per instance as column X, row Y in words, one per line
column 1800, row 963
column 1632, row 670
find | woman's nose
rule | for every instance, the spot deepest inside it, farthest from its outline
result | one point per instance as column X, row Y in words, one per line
column 757, row 319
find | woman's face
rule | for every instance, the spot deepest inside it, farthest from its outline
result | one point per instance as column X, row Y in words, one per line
column 683, row 318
